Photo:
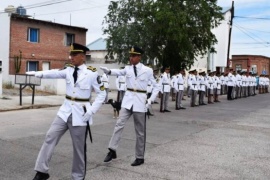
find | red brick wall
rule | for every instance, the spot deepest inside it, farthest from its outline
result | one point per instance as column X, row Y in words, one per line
column 260, row 61
column 51, row 47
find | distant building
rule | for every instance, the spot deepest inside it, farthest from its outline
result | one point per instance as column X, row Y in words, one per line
column 98, row 52
column 43, row 45
column 217, row 61
column 251, row 63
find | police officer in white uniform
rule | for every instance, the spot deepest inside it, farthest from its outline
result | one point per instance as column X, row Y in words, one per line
column 134, row 103
column 230, row 85
column 74, row 114
column 165, row 84
column 179, row 87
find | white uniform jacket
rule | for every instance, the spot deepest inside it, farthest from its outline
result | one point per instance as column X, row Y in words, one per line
column 231, row 80
column 179, row 82
column 173, row 79
column 134, row 99
column 217, row 82
column 149, row 87
column 266, row 81
column 202, row 85
column 87, row 80
column 165, row 82
column 222, row 80
column 193, row 82
column 210, row 82
column 105, row 80
column 244, row 80
column 121, row 83
column 238, row 80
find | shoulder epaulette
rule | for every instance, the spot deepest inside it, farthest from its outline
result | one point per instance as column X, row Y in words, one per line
column 92, row 68
column 67, row 65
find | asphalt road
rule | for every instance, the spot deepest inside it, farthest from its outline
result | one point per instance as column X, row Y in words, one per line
column 227, row 140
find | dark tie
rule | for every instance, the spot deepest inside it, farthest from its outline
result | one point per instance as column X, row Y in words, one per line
column 135, row 71
column 75, row 74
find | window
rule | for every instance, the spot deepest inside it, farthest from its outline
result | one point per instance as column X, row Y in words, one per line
column 45, row 66
column 33, row 35
column 69, row 39
column 254, row 69
column 238, row 67
column 32, row 66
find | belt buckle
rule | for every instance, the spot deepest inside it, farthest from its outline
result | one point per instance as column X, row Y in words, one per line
column 73, row 98
column 135, row 90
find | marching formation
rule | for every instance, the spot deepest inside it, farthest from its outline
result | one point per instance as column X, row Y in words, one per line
column 138, row 87
column 203, row 87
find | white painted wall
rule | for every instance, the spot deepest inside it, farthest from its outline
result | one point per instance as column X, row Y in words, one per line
column 98, row 54
column 4, row 45
column 219, row 59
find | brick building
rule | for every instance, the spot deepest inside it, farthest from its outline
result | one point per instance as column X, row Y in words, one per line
column 42, row 44
column 252, row 63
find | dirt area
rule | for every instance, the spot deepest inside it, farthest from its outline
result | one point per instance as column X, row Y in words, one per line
column 25, row 92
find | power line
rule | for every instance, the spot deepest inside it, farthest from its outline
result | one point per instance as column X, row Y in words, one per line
column 46, row 4
column 244, row 31
column 251, row 17
column 69, row 11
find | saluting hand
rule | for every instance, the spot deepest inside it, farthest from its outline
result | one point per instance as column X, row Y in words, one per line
column 105, row 70
column 35, row 73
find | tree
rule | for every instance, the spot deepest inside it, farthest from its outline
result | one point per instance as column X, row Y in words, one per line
column 172, row 32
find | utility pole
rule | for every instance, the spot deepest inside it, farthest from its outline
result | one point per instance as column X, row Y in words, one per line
column 230, row 32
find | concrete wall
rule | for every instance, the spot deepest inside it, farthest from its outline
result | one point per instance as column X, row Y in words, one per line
column 219, row 59
column 4, row 45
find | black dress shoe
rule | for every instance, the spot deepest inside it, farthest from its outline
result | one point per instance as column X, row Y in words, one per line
column 177, row 108
column 203, row 104
column 41, row 176
column 111, row 155
column 155, row 102
column 137, row 162
column 166, row 110
column 182, row 108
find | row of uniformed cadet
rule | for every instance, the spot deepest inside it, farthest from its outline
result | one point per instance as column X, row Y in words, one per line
column 263, row 84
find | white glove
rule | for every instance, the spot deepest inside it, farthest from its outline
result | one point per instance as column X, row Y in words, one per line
column 35, row 73
column 148, row 103
column 31, row 72
column 87, row 116
column 39, row 74
column 105, row 70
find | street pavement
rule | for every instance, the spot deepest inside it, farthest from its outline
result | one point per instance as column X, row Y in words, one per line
column 226, row 140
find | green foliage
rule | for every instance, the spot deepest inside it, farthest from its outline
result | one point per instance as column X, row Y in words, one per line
column 18, row 62
column 172, row 32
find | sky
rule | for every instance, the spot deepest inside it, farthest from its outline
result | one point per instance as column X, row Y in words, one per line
column 250, row 30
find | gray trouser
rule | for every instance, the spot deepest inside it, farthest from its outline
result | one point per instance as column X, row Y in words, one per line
column 165, row 100
column 140, row 130
column 201, row 97
column 120, row 95
column 54, row 134
column 193, row 97
column 179, row 96
column 107, row 92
